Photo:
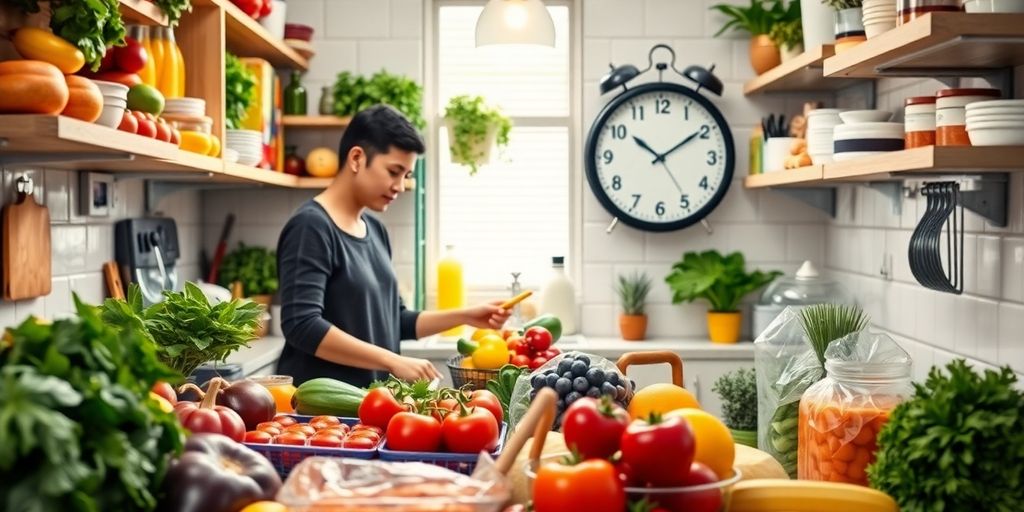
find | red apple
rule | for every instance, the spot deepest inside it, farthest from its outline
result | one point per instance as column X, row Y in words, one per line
column 131, row 57
column 147, row 127
column 129, row 123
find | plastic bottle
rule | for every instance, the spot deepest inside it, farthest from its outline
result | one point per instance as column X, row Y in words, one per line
column 451, row 291
column 148, row 72
column 180, row 68
column 168, row 80
column 558, row 297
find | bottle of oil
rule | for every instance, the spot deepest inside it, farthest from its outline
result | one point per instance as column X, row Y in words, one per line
column 451, row 291
column 558, row 297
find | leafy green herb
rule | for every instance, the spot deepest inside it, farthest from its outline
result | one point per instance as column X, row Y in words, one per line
column 239, row 84
column 632, row 291
column 504, row 383
column 91, row 25
column 471, row 120
column 174, row 9
column 353, row 93
column 738, row 392
column 755, row 19
column 185, row 329
column 957, row 444
column 787, row 34
column 78, row 429
column 825, row 323
column 723, row 282
column 255, row 267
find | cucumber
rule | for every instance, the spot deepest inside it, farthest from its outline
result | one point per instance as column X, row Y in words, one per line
column 328, row 396
column 549, row 322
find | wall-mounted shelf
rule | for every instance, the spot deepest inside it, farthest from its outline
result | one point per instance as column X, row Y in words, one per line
column 937, row 44
column 790, row 177
column 247, row 38
column 142, row 12
column 803, row 73
column 315, row 122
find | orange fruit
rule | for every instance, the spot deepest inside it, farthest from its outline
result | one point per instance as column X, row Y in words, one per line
column 660, row 398
column 715, row 446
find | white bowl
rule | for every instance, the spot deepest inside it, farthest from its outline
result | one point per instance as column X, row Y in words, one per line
column 112, row 89
column 994, row 6
column 975, row 106
column 114, row 102
column 865, row 116
column 111, row 116
column 230, row 155
column 984, row 125
column 996, row 136
column 995, row 117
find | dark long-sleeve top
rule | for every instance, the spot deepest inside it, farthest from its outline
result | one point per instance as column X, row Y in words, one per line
column 330, row 277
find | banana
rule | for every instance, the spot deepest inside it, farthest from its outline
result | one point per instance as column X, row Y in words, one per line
column 41, row 44
column 773, row 495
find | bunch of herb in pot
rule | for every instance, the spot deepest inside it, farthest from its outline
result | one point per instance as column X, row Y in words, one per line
column 738, row 392
column 91, row 25
column 79, row 430
column 185, row 328
column 239, row 85
column 956, row 444
column 756, row 19
column 255, row 267
column 471, row 124
column 353, row 93
column 788, row 35
column 632, row 291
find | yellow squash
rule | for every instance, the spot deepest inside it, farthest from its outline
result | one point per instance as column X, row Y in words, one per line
column 41, row 44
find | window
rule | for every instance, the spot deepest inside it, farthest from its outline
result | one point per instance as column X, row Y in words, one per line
column 514, row 214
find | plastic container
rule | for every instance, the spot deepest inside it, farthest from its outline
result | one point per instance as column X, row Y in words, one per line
column 805, row 288
column 463, row 463
column 451, row 290
column 867, row 376
column 558, row 296
column 950, row 117
column 285, row 457
column 281, row 387
column 919, row 121
column 911, row 9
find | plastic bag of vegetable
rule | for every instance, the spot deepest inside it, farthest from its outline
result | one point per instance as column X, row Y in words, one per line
column 572, row 375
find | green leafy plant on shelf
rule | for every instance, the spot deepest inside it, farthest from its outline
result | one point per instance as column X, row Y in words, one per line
column 756, row 19
column 186, row 329
column 632, row 290
column 721, row 281
column 787, row 34
column 353, row 93
column 255, row 267
column 239, row 85
column 472, row 123
column 174, row 9
column 843, row 4
column 738, row 392
column 91, row 25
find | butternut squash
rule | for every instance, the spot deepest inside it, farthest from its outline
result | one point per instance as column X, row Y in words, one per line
column 32, row 87
column 86, row 100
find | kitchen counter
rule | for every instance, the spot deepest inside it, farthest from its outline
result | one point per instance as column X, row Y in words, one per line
column 610, row 348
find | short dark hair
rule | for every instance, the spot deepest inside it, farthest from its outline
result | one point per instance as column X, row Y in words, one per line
column 376, row 129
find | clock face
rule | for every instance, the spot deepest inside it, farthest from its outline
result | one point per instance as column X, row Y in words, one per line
column 660, row 157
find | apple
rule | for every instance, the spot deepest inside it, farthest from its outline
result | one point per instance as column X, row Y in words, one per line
column 129, row 123
column 147, row 127
column 131, row 57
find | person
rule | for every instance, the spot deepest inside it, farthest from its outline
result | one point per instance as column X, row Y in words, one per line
column 341, row 313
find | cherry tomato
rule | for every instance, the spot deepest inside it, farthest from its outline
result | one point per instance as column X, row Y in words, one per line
column 411, row 432
column 514, row 345
column 258, row 436
column 660, row 452
column 523, row 349
column 339, row 430
column 378, row 407
column 521, row 361
column 470, row 430
column 301, row 427
column 551, row 353
column 487, row 400
column 284, row 420
column 591, row 485
column 293, row 438
column 359, row 443
column 537, row 362
column 373, row 436
column 166, row 391
column 538, row 338
column 326, row 440
column 322, row 422
column 361, row 426
column 594, row 427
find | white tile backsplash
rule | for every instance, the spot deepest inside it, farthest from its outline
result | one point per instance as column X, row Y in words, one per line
column 613, row 18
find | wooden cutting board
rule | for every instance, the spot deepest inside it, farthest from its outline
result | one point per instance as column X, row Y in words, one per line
column 26, row 249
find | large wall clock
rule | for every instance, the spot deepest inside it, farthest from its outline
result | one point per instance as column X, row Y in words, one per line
column 660, row 156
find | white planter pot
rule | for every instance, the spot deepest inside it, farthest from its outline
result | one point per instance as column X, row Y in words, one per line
column 817, row 22
column 790, row 53
column 480, row 152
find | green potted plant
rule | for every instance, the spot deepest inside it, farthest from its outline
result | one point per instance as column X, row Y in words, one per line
column 756, row 19
column 353, row 93
column 632, row 291
column 787, row 33
column 849, row 23
column 738, row 392
column 255, row 271
column 473, row 129
column 722, row 282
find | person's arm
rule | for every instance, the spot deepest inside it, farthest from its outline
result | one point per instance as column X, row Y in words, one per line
column 484, row 316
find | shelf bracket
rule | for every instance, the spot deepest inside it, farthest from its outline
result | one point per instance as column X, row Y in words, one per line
column 60, row 158
column 157, row 190
column 894, row 191
column 823, row 199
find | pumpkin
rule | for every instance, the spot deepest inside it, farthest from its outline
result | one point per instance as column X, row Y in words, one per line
column 322, row 163
column 32, row 87
column 86, row 100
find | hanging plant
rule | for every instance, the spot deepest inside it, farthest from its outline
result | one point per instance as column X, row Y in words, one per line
column 472, row 125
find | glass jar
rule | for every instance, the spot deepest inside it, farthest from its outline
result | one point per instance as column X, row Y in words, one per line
column 196, row 136
column 919, row 122
column 327, row 101
column 841, row 415
column 281, row 388
column 911, row 9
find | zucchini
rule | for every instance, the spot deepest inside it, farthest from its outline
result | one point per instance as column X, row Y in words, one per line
column 328, row 396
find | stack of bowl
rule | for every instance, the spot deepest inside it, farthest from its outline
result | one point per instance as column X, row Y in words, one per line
column 864, row 133
column 820, row 124
column 994, row 5
column 248, row 145
column 185, row 107
column 879, row 17
column 115, row 102
column 298, row 36
column 996, row 122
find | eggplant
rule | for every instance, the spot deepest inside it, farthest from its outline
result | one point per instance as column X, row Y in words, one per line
column 251, row 400
column 216, row 474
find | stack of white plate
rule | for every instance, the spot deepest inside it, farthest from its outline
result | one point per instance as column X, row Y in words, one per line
column 247, row 143
column 994, row 5
column 820, row 124
column 879, row 16
column 185, row 106
column 995, row 122
column 864, row 138
column 115, row 102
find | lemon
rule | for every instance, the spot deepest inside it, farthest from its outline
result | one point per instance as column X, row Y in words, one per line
column 480, row 333
column 715, row 446
column 660, row 398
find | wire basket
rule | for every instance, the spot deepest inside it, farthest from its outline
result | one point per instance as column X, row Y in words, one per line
column 476, row 378
column 463, row 463
column 284, row 457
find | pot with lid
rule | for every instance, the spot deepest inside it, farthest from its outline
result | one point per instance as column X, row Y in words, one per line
column 807, row 287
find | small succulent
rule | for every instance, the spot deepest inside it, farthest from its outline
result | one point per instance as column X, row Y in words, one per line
column 633, row 290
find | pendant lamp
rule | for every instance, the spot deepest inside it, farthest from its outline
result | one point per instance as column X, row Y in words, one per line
column 515, row 22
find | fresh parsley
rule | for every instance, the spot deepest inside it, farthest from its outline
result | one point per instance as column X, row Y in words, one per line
column 91, row 25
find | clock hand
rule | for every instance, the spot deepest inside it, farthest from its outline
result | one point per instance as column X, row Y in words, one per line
column 669, row 171
column 661, row 157
column 640, row 142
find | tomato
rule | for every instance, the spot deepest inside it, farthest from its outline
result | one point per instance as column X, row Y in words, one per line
column 551, row 353
column 515, row 345
column 166, row 391
column 594, row 427
column 266, row 8
column 106, row 64
column 660, row 450
column 521, row 361
column 470, row 430
column 284, row 420
column 361, row 426
column 443, row 407
column 359, row 443
column 251, row 8
column 293, row 438
column 340, row 430
column 325, row 439
column 538, row 338
column 537, row 362
column 258, row 436
column 411, row 432
column 591, row 485
column 147, row 128
column 487, row 400
column 301, row 427
column 322, row 422
column 128, row 123
column 163, row 130
column 131, row 57
column 175, row 136
column 701, row 501
column 379, row 407
column 372, row 436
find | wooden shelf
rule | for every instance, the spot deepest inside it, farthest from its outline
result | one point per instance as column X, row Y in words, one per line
column 804, row 73
column 141, row 12
column 314, row 122
column 235, row 171
column 939, row 43
column 896, row 165
column 247, row 38
column 316, row 183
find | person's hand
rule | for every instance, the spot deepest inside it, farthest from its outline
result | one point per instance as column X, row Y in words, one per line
column 411, row 369
column 487, row 316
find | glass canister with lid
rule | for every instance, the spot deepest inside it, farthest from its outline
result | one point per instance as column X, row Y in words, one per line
column 806, row 287
column 867, row 376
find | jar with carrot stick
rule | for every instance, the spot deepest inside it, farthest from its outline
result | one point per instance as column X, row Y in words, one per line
column 867, row 376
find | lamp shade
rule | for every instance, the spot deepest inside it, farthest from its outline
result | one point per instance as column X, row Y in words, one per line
column 515, row 22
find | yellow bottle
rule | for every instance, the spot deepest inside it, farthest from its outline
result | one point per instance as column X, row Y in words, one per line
column 156, row 53
column 168, row 82
column 181, row 71
column 141, row 34
column 451, row 292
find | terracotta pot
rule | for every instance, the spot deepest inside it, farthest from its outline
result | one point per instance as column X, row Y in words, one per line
column 764, row 55
column 633, row 327
column 745, row 437
column 724, row 327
